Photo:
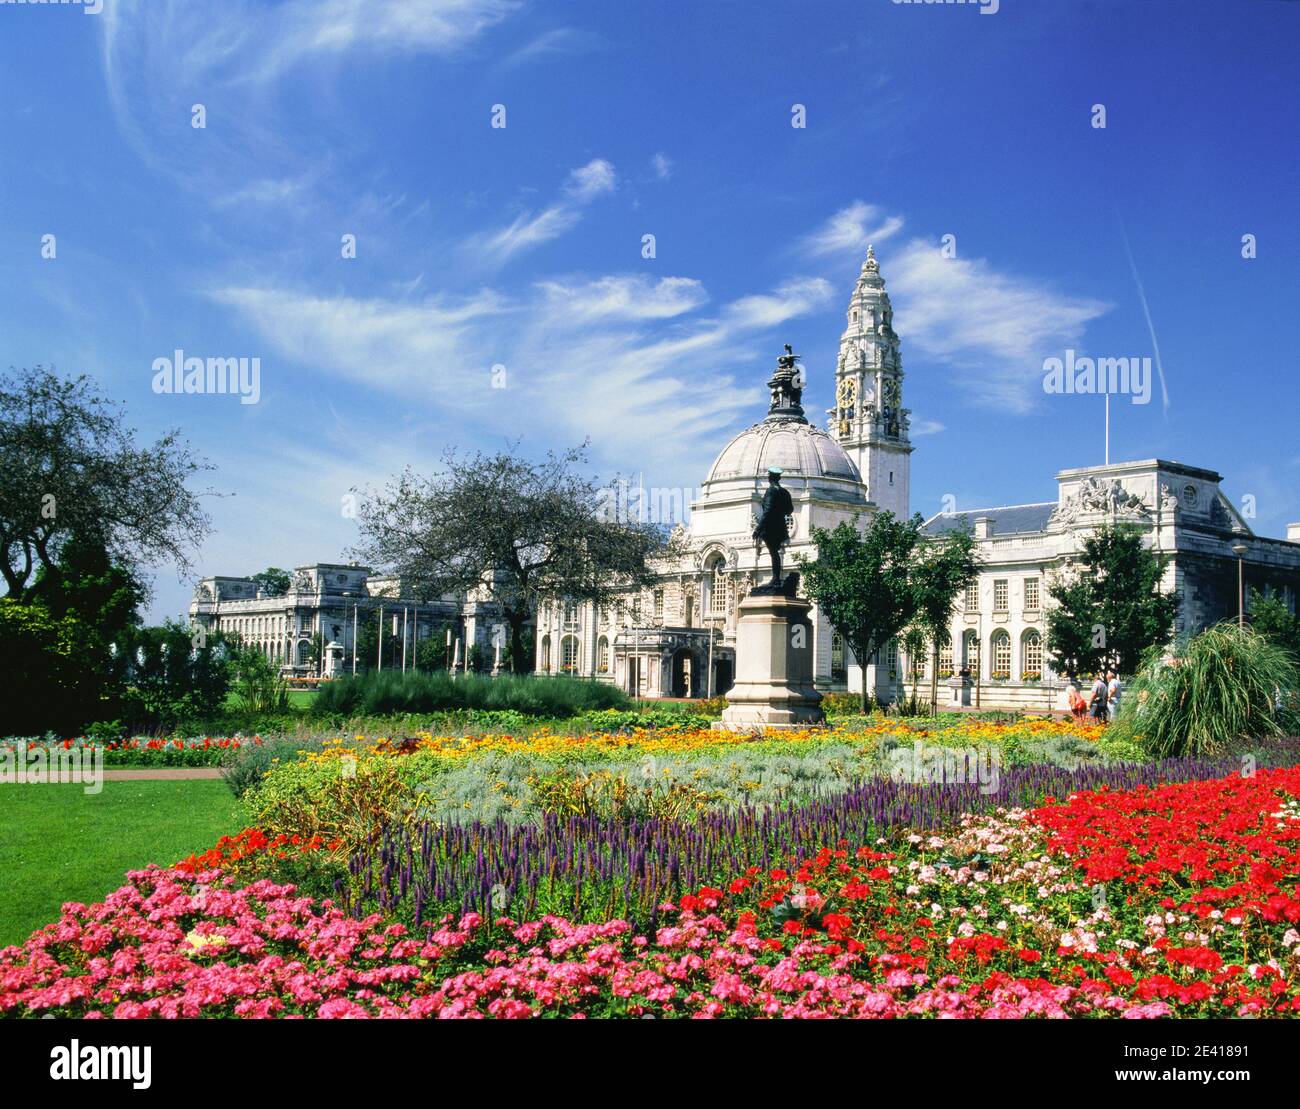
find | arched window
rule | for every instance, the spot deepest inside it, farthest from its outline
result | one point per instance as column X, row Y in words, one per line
column 838, row 668
column 945, row 660
column 546, row 652
column 917, row 665
column 1001, row 645
column 569, row 654
column 718, row 587
column 1031, row 656
column 970, row 653
column 602, row 656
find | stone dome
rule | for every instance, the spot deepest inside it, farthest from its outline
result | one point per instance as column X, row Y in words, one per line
column 797, row 448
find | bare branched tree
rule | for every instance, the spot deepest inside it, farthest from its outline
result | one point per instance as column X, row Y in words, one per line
column 508, row 530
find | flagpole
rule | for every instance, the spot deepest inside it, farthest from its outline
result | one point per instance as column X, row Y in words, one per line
column 1108, row 429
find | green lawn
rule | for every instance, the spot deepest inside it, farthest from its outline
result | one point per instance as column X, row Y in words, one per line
column 64, row 845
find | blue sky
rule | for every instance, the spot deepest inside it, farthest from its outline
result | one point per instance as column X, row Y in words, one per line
column 522, row 246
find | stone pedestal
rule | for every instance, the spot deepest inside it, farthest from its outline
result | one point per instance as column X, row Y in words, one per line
column 774, row 666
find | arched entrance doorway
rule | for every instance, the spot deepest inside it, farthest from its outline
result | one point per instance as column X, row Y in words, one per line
column 684, row 680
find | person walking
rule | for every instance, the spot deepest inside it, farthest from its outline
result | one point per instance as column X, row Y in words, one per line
column 1098, row 702
column 1113, row 691
column 1073, row 698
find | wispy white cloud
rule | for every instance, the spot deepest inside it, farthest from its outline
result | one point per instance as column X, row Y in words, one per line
column 794, row 298
column 662, row 166
column 527, row 230
column 625, row 298
column 850, row 229
column 926, row 427
column 161, row 56
column 995, row 327
column 587, row 182
column 617, row 359
column 556, row 43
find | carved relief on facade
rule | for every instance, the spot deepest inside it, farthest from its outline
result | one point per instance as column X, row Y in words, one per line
column 1095, row 496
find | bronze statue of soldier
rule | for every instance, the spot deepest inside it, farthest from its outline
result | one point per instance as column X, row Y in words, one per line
column 773, row 530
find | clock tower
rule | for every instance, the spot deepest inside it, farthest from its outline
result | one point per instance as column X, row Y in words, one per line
column 869, row 419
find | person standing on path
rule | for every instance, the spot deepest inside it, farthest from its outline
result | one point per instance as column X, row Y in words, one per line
column 1098, row 702
column 1113, row 691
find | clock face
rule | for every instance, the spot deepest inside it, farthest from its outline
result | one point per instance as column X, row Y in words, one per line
column 1189, row 495
column 848, row 392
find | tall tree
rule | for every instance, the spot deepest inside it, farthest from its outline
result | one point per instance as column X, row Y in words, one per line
column 1269, row 615
column 1112, row 609
column 863, row 582
column 509, row 530
column 69, row 466
column 943, row 568
column 273, row 581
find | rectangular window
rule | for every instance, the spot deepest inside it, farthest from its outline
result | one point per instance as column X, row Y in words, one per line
column 1031, row 594
column 1000, row 595
column 659, row 606
column 973, row 596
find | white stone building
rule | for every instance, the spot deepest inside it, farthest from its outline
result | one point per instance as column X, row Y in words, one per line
column 998, row 629
column 337, row 601
column 678, row 638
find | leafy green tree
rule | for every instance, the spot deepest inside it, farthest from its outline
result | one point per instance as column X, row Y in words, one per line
column 48, row 686
column 1071, row 641
column 863, row 582
column 1269, row 615
column 368, row 642
column 513, row 531
column 69, row 467
column 273, row 581
column 1113, row 609
column 174, row 675
column 943, row 568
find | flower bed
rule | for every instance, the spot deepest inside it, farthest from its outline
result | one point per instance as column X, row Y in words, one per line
column 140, row 751
column 1178, row 899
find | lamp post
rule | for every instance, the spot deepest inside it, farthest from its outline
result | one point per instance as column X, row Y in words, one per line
column 1239, row 549
column 354, row 633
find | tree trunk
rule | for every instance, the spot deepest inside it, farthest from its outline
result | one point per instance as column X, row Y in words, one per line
column 518, row 664
column 863, row 667
column 934, row 680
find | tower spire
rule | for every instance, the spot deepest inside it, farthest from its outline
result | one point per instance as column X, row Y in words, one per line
column 869, row 419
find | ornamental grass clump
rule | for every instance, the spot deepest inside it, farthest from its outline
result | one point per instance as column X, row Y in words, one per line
column 1224, row 686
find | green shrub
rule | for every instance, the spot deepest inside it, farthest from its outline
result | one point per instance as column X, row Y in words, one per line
column 246, row 766
column 1223, row 687
column 258, row 687
column 386, row 691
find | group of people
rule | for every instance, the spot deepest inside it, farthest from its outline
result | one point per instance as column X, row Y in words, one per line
column 1102, row 704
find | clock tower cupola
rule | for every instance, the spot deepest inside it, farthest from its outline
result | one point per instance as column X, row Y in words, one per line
column 869, row 419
